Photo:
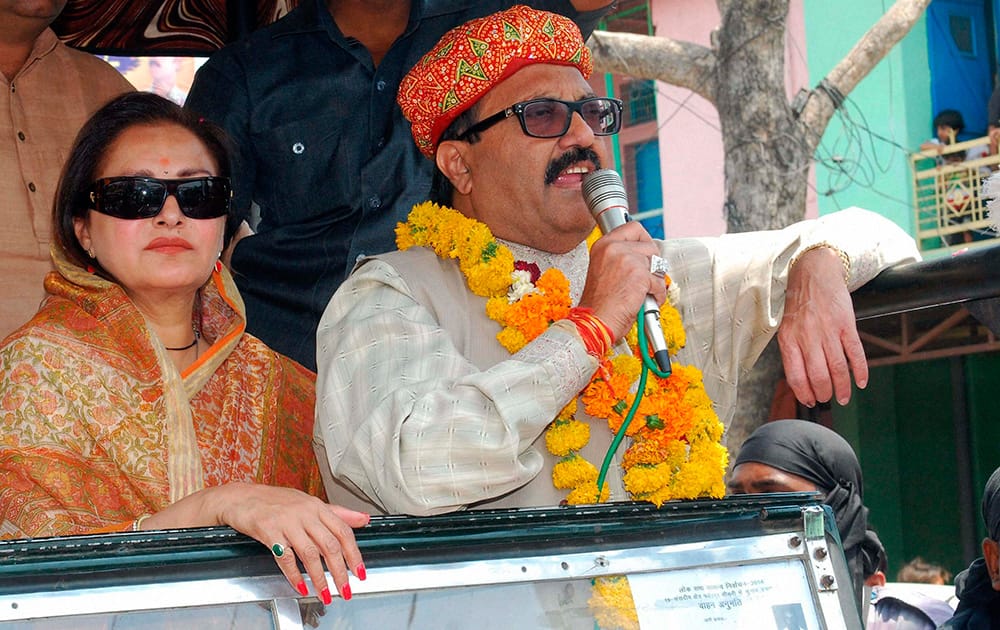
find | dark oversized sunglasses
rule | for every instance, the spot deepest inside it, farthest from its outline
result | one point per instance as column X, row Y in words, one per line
column 133, row 197
column 550, row 117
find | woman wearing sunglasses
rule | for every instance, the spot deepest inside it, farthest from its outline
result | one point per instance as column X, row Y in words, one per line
column 134, row 399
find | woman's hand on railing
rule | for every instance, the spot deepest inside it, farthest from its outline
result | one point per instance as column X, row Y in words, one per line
column 290, row 523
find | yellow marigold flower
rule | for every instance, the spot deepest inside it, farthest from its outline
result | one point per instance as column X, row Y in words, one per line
column 414, row 231
column 707, row 426
column 713, row 458
column 477, row 243
column 567, row 412
column 713, row 427
column 661, row 496
column 688, row 484
column 573, row 471
column 565, row 436
column 646, row 479
column 673, row 328
column 586, row 494
column 511, row 339
column 702, row 474
column 676, row 454
column 404, row 238
column 489, row 280
column 628, row 365
column 496, row 309
column 632, row 337
column 612, row 604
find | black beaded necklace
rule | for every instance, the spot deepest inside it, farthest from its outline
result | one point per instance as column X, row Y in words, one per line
column 197, row 336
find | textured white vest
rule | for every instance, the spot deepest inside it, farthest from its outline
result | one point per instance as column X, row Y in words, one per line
column 439, row 286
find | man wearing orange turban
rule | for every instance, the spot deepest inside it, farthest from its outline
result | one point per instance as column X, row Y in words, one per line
column 325, row 158
column 483, row 364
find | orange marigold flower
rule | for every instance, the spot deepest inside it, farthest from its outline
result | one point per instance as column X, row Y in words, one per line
column 598, row 399
column 644, row 452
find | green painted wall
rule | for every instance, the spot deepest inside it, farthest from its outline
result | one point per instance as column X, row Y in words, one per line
column 982, row 373
column 901, row 427
column 892, row 102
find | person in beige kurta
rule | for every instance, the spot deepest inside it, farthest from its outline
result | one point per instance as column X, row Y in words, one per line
column 47, row 91
column 420, row 410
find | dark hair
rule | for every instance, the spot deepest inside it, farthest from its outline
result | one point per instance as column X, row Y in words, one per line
column 950, row 118
column 921, row 571
column 442, row 192
column 91, row 147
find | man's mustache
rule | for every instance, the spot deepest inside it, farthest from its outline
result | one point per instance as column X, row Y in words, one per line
column 571, row 157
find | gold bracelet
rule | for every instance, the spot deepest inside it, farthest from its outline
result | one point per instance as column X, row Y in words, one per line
column 137, row 523
column 843, row 258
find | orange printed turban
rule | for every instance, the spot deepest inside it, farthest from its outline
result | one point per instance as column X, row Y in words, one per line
column 473, row 58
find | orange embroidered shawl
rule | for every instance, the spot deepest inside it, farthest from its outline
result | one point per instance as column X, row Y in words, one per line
column 97, row 427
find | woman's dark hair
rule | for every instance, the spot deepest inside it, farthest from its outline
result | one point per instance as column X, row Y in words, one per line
column 91, row 147
column 442, row 192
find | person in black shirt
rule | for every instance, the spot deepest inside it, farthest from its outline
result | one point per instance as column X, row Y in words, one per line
column 978, row 587
column 324, row 156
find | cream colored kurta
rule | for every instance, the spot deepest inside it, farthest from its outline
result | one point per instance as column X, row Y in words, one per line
column 41, row 111
column 421, row 409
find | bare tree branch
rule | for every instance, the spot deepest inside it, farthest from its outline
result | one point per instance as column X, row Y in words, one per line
column 870, row 49
column 675, row 62
column 768, row 147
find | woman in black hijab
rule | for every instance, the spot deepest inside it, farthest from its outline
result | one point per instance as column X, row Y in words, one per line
column 798, row 456
column 978, row 587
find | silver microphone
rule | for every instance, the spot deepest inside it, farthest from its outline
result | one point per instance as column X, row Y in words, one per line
column 605, row 196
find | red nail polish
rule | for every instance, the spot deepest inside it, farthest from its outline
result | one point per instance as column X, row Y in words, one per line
column 346, row 592
column 360, row 571
column 302, row 588
column 325, row 596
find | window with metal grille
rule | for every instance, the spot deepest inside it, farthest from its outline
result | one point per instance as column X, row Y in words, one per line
column 640, row 101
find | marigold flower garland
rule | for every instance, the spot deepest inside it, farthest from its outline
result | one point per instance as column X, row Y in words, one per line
column 675, row 451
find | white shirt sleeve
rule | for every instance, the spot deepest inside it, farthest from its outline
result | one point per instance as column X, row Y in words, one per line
column 731, row 289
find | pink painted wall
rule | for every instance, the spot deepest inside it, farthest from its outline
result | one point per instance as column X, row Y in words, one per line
column 691, row 156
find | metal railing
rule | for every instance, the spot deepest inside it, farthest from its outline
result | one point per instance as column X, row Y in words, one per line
column 949, row 209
